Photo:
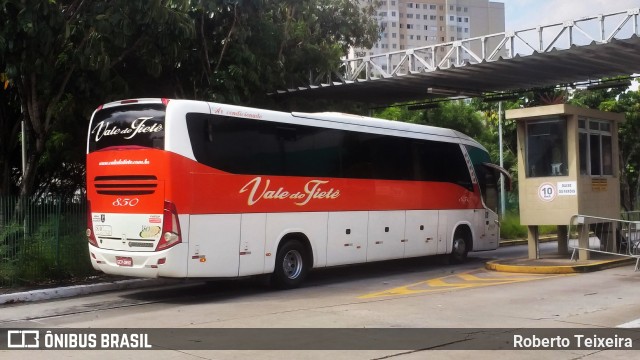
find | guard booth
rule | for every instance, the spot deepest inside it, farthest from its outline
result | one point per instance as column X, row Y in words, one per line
column 567, row 165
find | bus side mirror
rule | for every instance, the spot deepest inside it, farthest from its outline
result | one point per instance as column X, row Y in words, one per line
column 500, row 170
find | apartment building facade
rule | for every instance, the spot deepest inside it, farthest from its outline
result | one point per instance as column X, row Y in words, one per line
column 408, row 24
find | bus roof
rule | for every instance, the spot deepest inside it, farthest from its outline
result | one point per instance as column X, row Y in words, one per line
column 338, row 120
column 385, row 124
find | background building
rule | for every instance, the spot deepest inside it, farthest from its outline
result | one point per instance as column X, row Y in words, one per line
column 407, row 24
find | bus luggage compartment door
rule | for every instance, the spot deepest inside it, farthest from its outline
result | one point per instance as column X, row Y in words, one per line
column 347, row 239
column 386, row 235
column 422, row 233
column 214, row 242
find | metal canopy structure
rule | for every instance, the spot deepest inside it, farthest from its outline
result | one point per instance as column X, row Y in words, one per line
column 577, row 51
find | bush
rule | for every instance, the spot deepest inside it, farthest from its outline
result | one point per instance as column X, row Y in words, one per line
column 49, row 246
column 56, row 251
column 510, row 228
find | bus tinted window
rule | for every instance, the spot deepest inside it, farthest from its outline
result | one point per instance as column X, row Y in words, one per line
column 246, row 146
column 131, row 125
column 441, row 161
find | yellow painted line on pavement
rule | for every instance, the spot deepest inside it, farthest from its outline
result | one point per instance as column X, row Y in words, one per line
column 505, row 276
column 466, row 280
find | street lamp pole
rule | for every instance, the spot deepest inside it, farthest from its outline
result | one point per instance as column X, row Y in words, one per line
column 502, row 194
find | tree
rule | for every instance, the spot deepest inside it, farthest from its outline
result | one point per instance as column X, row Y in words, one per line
column 509, row 141
column 47, row 45
column 9, row 136
column 454, row 115
column 65, row 57
column 248, row 48
column 629, row 140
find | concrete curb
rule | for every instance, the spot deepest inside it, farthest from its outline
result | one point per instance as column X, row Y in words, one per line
column 501, row 266
column 75, row 290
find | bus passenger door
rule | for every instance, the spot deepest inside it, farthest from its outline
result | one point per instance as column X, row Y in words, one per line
column 492, row 230
column 421, row 233
column 487, row 219
column 486, row 236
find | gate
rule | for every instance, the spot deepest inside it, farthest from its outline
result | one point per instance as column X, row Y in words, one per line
column 611, row 236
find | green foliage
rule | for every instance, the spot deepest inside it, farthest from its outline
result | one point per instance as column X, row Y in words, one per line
column 454, row 115
column 58, row 48
column 60, row 59
column 511, row 229
column 490, row 139
column 56, row 250
column 9, row 263
column 49, row 245
column 249, row 48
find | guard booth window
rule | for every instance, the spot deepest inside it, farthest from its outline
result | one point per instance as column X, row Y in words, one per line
column 547, row 148
column 595, row 148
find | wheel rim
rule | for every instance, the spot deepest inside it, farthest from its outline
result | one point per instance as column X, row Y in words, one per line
column 292, row 264
column 459, row 247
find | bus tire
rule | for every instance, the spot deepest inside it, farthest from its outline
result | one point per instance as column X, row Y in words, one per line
column 459, row 249
column 291, row 267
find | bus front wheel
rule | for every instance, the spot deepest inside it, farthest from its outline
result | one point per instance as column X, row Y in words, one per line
column 291, row 265
column 459, row 250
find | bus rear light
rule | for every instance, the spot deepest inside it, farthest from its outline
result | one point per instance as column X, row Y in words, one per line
column 170, row 227
column 90, row 235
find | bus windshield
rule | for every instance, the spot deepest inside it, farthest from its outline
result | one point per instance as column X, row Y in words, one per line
column 130, row 125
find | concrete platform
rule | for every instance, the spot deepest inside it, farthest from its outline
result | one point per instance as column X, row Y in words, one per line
column 552, row 263
column 556, row 265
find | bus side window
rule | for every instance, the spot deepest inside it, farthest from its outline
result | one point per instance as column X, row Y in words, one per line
column 355, row 156
column 441, row 162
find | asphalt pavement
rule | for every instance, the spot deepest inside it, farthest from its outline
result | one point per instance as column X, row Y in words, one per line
column 515, row 260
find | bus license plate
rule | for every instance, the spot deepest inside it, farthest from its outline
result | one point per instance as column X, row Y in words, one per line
column 124, row 261
column 103, row 230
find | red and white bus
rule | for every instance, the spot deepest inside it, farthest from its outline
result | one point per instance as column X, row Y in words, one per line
column 193, row 189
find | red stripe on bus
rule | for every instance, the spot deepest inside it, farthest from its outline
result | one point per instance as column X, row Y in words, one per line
column 198, row 189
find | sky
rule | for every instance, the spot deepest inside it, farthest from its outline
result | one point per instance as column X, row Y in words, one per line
column 521, row 14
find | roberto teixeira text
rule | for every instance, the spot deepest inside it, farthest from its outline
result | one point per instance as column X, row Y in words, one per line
column 575, row 341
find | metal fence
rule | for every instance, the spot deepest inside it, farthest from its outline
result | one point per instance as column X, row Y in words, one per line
column 42, row 241
column 619, row 237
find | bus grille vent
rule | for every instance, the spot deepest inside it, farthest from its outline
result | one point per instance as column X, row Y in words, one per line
column 126, row 184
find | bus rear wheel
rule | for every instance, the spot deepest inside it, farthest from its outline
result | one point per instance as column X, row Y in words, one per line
column 291, row 265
